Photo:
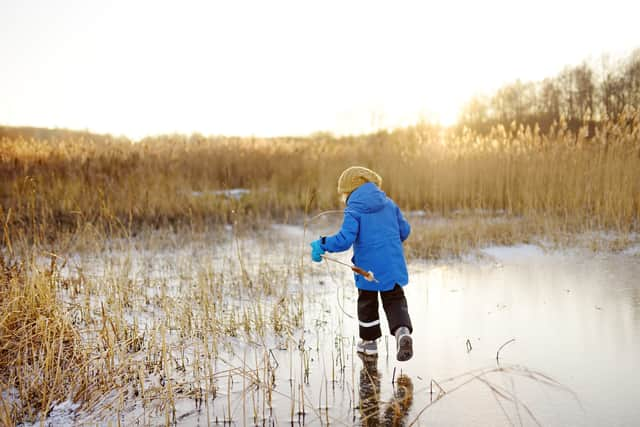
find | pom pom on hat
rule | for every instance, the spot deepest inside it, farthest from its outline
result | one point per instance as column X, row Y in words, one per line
column 354, row 177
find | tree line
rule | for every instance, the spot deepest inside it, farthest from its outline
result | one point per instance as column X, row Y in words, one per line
column 579, row 95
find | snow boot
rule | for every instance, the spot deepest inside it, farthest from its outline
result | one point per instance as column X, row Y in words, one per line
column 404, row 344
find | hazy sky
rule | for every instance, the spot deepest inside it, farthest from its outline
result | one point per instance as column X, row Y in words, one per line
column 284, row 67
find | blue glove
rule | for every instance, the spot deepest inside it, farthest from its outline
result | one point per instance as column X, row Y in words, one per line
column 316, row 251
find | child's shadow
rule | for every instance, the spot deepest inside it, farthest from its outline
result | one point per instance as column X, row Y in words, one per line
column 395, row 411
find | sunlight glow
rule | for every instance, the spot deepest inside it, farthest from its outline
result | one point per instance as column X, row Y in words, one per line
column 283, row 67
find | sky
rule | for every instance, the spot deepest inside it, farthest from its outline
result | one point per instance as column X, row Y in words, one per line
column 268, row 68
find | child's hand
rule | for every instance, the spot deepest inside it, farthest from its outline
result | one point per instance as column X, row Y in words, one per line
column 316, row 251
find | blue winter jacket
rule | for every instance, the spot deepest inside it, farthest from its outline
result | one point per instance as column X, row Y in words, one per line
column 375, row 227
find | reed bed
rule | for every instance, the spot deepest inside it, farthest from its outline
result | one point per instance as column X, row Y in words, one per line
column 567, row 181
column 147, row 331
column 41, row 360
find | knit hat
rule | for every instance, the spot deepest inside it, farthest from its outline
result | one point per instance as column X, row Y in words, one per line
column 355, row 176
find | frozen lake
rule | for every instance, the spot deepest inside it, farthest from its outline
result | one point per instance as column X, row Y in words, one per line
column 574, row 316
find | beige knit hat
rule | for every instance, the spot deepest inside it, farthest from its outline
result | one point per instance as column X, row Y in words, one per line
column 354, row 177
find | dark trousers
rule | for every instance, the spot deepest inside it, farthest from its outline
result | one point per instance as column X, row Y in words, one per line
column 395, row 307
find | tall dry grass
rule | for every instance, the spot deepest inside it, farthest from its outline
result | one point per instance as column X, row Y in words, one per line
column 41, row 360
column 116, row 186
column 49, row 186
column 113, row 335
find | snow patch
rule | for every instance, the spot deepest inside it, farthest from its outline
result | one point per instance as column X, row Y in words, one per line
column 10, row 395
column 62, row 414
column 632, row 251
column 512, row 253
column 286, row 230
column 232, row 193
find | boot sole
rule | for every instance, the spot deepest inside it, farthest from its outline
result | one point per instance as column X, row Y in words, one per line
column 405, row 348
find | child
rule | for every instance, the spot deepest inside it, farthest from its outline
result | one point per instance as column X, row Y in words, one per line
column 375, row 227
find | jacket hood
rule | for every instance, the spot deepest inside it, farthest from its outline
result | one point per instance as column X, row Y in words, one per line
column 367, row 198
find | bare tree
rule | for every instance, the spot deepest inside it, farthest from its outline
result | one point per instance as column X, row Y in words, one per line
column 577, row 94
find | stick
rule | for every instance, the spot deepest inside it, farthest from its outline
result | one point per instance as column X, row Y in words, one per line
column 368, row 275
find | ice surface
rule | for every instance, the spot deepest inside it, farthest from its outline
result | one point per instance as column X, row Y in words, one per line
column 575, row 317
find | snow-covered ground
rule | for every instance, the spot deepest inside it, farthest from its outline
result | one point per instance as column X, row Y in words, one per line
column 574, row 315
column 232, row 193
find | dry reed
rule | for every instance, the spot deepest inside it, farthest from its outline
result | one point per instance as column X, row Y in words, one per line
column 41, row 362
column 567, row 181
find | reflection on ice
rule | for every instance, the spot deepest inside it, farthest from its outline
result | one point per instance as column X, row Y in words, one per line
column 372, row 411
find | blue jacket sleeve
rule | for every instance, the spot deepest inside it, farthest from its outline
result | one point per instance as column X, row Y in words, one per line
column 343, row 239
column 403, row 225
